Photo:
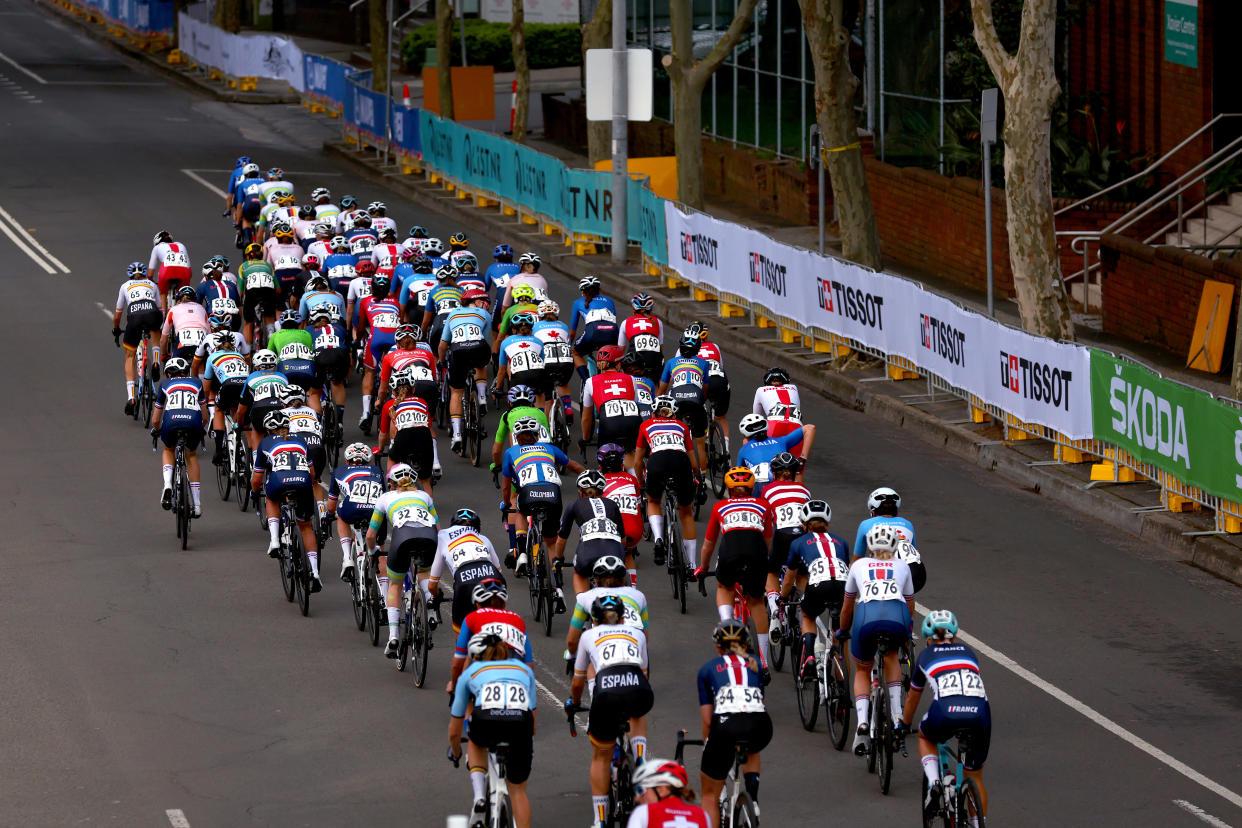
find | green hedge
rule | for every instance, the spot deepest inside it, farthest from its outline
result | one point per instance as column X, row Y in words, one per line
column 488, row 44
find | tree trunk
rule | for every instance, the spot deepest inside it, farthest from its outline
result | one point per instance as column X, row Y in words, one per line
column 1028, row 83
column 597, row 34
column 517, row 34
column 444, row 43
column 828, row 33
column 378, row 20
column 689, row 77
column 228, row 15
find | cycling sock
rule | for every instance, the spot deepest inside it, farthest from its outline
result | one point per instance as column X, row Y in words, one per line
column 394, row 618
column 219, row 435
column 512, row 530
column 657, row 525
column 808, row 644
column 273, row 529
column 568, row 402
column 196, row 495
column 894, row 699
column 765, row 649
column 931, row 768
column 322, row 509
column 584, row 373
column 478, row 783
column 640, row 747
column 435, row 453
column 129, row 390
column 167, row 472
column 155, row 355
column 688, row 546
column 457, row 428
column 599, row 804
column 313, row 557
column 772, row 596
column 347, row 549
column 752, row 785
column 366, row 405
column 480, row 388
column 862, row 706
column 725, row 611
column 382, row 581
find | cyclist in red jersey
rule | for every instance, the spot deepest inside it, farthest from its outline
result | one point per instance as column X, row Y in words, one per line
column 623, row 488
column 787, row 497
column 666, row 452
column 610, row 396
column 664, row 798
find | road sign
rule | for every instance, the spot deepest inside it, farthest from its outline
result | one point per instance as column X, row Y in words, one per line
column 599, row 84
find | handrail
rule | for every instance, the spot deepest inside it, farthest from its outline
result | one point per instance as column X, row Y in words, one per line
column 1150, row 167
column 1179, row 185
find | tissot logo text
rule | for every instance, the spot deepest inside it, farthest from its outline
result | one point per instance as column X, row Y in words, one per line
column 766, row 272
column 942, row 339
column 1036, row 380
column 699, row 248
column 851, row 302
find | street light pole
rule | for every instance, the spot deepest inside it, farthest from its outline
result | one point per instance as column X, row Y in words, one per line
column 620, row 147
column 987, row 135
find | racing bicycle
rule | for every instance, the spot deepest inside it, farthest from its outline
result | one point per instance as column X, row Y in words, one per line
column 960, row 803
column 414, row 629
column 737, row 809
column 295, row 574
column 621, row 772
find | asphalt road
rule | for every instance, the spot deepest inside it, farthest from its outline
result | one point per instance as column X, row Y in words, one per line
column 138, row 678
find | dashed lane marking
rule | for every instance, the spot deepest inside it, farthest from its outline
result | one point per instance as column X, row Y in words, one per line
column 13, row 229
column 1191, row 808
column 176, row 817
column 212, row 187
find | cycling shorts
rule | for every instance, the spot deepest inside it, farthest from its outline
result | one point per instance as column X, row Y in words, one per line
column 287, row 281
column 620, row 430
column 536, row 378
column 229, row 392
column 252, row 208
column 299, row 484
column 259, row 410
column 136, row 324
column 662, row 465
column 546, row 496
column 379, row 343
column 918, row 575
column 694, row 415
column 413, row 446
column 594, row 336
column 651, row 363
column 719, row 392
column 429, row 392
column 743, row 560
column 411, row 544
column 317, row 454
column 191, row 427
column 168, row 275
column 779, row 554
column 620, row 693
column 516, row 728
column 186, row 352
column 874, row 619
column 333, row 364
column 973, row 727
column 590, row 552
column 261, row 298
column 302, row 373
column 463, row 359
column 824, row 596
column 467, row 576
column 754, row 730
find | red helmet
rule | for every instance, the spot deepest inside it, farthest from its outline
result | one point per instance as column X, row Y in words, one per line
column 310, row 261
column 474, row 294
column 364, row 266
column 610, row 354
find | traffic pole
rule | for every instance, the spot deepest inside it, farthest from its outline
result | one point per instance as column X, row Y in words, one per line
column 513, row 107
column 405, row 94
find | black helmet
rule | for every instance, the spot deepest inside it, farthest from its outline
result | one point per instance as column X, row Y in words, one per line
column 605, row 604
column 467, row 517
column 610, row 457
column 731, row 630
column 786, row 462
column 776, row 376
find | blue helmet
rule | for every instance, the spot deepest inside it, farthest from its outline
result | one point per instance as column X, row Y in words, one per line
column 136, row 270
column 503, row 251
column 243, row 160
column 521, row 394
column 939, row 621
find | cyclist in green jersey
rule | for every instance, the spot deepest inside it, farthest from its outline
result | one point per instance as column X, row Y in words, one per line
column 290, row 334
column 521, row 404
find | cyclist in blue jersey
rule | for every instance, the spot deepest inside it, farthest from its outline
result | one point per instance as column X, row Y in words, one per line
column 644, row 386
column 416, row 287
column 685, row 379
column 593, row 323
column 883, row 504
column 340, row 266
column 498, row 692
column 500, row 271
column 215, row 293
column 352, row 494
column 446, row 289
column 224, row 354
column 230, row 197
column 180, row 409
column 464, row 343
column 959, row 706
column 521, row 358
column 818, row 563
column 558, row 358
column 331, row 345
column 264, row 392
column 433, row 249
column 285, row 461
column 248, row 200
column 318, row 292
column 759, row 449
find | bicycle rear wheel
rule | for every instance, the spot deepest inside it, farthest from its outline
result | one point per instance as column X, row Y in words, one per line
column 839, row 702
column 405, row 634
column 807, row 688
column 375, row 611
column 421, row 638
column 331, row 430
column 549, row 592
column 224, row 478
column 676, row 554
column 184, row 505
column 884, row 751
column 286, row 572
column 301, row 573
column 970, row 805
column 717, row 459
column 241, row 463
column 357, row 599
column 745, row 814
column 534, row 581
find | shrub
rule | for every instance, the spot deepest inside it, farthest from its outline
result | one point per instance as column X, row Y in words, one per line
column 488, row 44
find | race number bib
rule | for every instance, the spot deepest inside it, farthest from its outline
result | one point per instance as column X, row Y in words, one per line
column 737, row 699
column 411, row 418
column 364, row 288
column 176, row 258
column 525, row 359
column 788, row 516
column 620, row 408
column 536, row 473
column 960, row 683
column 421, row 373
column 364, row 492
column 687, row 377
column 467, row 552
column 646, row 342
column 825, row 569
column 742, row 519
column 267, row 391
column 140, row 293
column 341, row 272
column 882, row 590
column 287, row 262
column 411, row 516
column 231, row 368
column 627, row 503
column 385, row 320
column 467, row 333
column 503, row 695
column 511, row 635
column 905, row 551
column 714, row 369
column 220, row 307
column 599, row 315
column 191, row 337
column 763, row 472
column 600, row 529
column 667, row 441
column 361, row 246
column 618, row 654
column 294, row 461
column 296, row 350
column 327, row 340
column 259, row 279
column 305, row 426
column 557, row 352
column 182, row 400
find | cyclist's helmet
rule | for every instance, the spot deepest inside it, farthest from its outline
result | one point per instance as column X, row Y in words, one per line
column 467, row 517
column 388, row 233
column 458, row 241
column 519, row 319
column 521, row 395
column 290, row 318
column 357, row 454
column 881, row 496
column 293, row 394
column 250, row 170
column 608, row 565
column 433, row 246
column 475, row 294
column 339, row 244
column 422, row 265
column 242, row 160
column 466, row 261
column 407, row 331
column 380, row 284
column 816, row 510
column 688, row 345
column 402, row 377
column 306, row 211
column 532, row 259
column 264, row 360
column 209, row 269
column 523, row 294
column 364, row 267
column 401, row 474
column 526, row 425
column 939, row 624
column 223, row 260
column 881, row 536
column 590, row 479
column 609, row 355
column 362, row 220
column 785, row 461
column 322, row 312
column 282, row 228
column 275, row 174
column 320, row 192
column 334, row 314
column 659, row 773
column 136, row 270
column 664, row 402
column 739, row 477
column 487, row 589
column 731, row 630
column 752, row 425
column 317, row 283
column 629, row 362
column 445, row 272
column 161, row 236
column 323, row 231
column 502, row 253
column 186, row 292
column 547, row 306
column 254, row 250
column 377, row 208
column 775, row 376
column 479, row 642
column 176, row 367
column 276, row 420
column 643, row 303
column 418, row 232
column 610, row 457
column 310, row 261
column 589, row 284
column 348, row 201
column 219, row 320
column 605, row 604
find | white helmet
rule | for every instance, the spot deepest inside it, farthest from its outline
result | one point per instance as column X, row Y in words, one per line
column 548, row 306
column 264, row 360
column 881, row 496
column 401, row 473
column 250, row 169
column 433, row 246
column 881, row 536
column 752, row 425
column 357, row 453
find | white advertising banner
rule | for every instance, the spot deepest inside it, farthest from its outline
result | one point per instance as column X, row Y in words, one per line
column 1035, row 379
column 258, row 56
column 535, row 11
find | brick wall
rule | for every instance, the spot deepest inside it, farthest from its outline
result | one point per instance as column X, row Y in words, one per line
column 1151, row 294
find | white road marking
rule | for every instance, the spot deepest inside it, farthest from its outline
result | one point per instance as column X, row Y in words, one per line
column 1099, row 718
column 177, row 818
column 1200, row 813
column 40, row 79
column 206, row 183
column 104, row 308
column 33, row 243
column 21, row 68
column 22, row 247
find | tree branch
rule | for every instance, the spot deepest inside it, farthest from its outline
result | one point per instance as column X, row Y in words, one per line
column 999, row 60
column 703, row 70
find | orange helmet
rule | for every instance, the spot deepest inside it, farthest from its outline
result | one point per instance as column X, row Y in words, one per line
column 739, row 477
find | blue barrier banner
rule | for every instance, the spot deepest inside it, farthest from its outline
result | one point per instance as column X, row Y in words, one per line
column 406, row 133
column 325, row 78
column 647, row 221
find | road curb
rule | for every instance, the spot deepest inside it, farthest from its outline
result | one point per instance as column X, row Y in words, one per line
column 184, row 77
column 1162, row 529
